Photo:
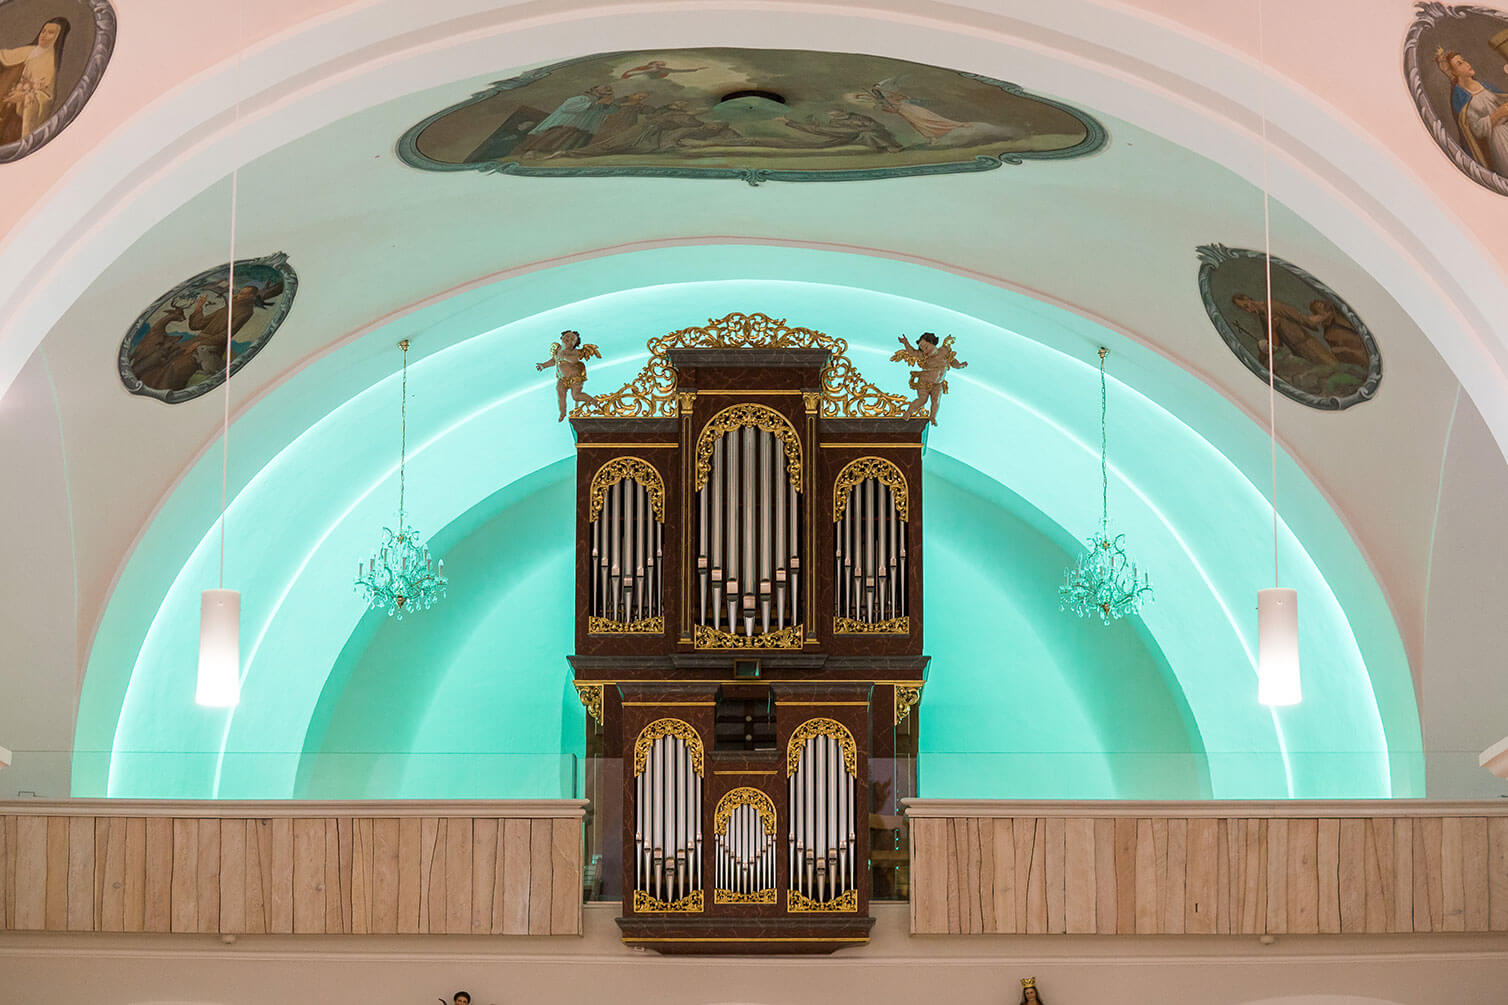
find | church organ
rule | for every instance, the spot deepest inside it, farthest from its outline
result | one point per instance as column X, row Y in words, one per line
column 749, row 632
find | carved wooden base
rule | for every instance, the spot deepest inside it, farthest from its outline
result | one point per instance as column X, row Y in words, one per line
column 745, row 936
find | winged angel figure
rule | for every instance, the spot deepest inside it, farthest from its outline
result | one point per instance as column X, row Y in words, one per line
column 930, row 381
column 568, row 357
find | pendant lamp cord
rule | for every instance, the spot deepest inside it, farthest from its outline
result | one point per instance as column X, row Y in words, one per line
column 1272, row 407
column 230, row 293
column 1104, row 453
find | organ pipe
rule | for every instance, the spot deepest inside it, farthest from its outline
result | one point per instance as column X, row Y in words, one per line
column 869, row 555
column 628, row 552
column 667, row 822
column 823, row 828
column 746, row 540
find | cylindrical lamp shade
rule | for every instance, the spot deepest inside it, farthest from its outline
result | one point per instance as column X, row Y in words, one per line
column 1278, row 647
column 219, row 649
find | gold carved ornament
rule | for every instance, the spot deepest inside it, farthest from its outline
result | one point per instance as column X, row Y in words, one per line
column 766, row 896
column 607, row 626
column 707, row 637
column 744, row 795
column 890, row 626
column 798, row 903
column 645, row 903
column 907, row 696
column 667, row 727
column 652, row 394
column 821, row 727
column 861, row 470
column 591, row 700
column 737, row 417
column 620, row 468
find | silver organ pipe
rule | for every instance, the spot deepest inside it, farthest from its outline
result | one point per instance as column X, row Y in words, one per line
column 869, row 556
column 628, row 550
column 823, row 823
column 667, row 822
column 749, row 527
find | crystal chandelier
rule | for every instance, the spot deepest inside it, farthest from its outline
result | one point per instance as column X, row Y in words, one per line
column 1105, row 583
column 401, row 577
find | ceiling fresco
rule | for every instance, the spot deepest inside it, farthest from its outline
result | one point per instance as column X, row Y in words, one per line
column 1456, row 63
column 52, row 56
column 175, row 349
column 754, row 114
column 1322, row 354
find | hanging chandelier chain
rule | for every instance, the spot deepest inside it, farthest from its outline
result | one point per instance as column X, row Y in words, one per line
column 1272, row 402
column 403, row 435
column 1104, row 449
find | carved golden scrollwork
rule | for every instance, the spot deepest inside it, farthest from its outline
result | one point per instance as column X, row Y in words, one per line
column 607, row 626
column 798, row 903
column 667, row 727
column 645, row 903
column 652, row 393
column 721, row 896
column 907, row 696
column 748, row 414
column 744, row 795
column 706, row 637
column 822, row 727
column 615, row 471
column 878, row 468
column 890, row 626
column 591, row 700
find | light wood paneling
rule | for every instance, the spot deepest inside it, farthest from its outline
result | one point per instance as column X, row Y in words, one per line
column 336, row 874
column 1204, row 874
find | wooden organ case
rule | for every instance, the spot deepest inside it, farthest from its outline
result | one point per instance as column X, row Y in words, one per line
column 749, row 631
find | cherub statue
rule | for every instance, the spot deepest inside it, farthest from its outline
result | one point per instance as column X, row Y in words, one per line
column 930, row 382
column 568, row 357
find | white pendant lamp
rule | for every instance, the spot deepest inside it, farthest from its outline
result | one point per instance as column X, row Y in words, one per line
column 1278, row 681
column 219, row 681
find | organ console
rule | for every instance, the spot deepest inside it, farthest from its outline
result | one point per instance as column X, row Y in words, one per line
column 749, row 634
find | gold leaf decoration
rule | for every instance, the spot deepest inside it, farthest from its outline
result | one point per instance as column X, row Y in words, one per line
column 798, row 903
column 744, row 795
column 607, row 626
column 906, row 697
column 645, row 903
column 890, row 626
column 667, row 727
column 737, row 417
column 591, row 700
column 821, row 727
column 857, row 471
column 635, row 468
column 706, row 637
column 721, row 896
column 652, row 394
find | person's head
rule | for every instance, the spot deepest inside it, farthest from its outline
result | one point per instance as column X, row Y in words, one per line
column 927, row 343
column 462, row 998
column 1457, row 66
column 602, row 92
column 570, row 339
column 1246, row 303
column 53, row 33
column 1029, row 992
column 1323, row 308
column 636, row 98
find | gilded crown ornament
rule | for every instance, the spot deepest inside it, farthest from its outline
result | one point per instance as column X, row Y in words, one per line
column 1105, row 583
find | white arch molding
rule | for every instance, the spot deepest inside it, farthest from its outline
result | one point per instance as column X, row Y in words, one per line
column 1188, row 89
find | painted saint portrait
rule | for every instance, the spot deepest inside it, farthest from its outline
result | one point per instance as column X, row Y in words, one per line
column 755, row 114
column 52, row 55
column 1456, row 62
column 1323, row 355
column 175, row 349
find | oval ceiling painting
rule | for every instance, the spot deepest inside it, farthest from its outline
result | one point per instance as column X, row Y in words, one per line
column 1456, row 62
column 52, row 55
column 755, row 114
column 1322, row 354
column 175, row 349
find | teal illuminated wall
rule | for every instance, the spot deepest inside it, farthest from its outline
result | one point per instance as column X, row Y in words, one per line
column 471, row 698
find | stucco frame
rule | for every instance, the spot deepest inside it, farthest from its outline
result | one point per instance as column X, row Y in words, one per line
column 78, row 97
